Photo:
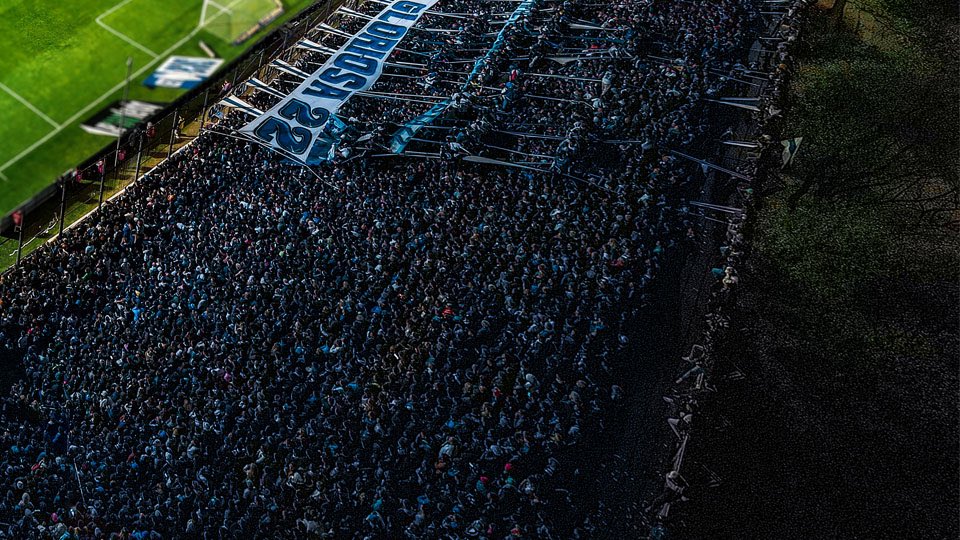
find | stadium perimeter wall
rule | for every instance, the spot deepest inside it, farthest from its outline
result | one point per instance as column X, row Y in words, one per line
column 83, row 190
column 708, row 338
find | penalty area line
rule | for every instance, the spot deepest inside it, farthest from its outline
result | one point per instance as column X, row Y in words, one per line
column 28, row 105
column 119, row 34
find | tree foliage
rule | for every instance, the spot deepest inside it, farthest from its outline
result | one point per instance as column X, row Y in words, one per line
column 879, row 127
column 847, row 327
column 862, row 230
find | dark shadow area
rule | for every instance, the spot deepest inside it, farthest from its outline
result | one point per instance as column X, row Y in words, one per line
column 812, row 446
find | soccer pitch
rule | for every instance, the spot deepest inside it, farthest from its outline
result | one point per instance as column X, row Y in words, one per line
column 63, row 61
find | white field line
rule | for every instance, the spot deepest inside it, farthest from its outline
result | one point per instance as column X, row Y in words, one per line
column 29, row 105
column 106, row 94
column 119, row 34
column 218, row 6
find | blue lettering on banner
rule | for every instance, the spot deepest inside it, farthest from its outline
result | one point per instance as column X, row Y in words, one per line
column 304, row 124
column 360, row 65
column 303, row 114
column 385, row 30
column 397, row 15
column 336, row 76
column 380, row 45
column 364, row 52
column 295, row 140
column 409, row 7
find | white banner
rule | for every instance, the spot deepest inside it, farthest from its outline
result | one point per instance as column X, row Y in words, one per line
column 295, row 123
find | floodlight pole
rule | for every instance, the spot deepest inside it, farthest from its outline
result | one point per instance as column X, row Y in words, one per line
column 136, row 174
column 20, row 238
column 63, row 203
column 203, row 111
column 173, row 132
column 123, row 110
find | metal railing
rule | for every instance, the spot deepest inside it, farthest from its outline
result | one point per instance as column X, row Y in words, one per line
column 699, row 368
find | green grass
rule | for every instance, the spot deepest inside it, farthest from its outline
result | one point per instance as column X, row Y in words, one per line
column 60, row 60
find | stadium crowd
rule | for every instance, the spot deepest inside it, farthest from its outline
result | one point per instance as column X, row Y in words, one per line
column 396, row 348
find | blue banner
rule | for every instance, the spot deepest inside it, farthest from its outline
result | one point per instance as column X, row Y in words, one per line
column 403, row 135
column 300, row 121
column 182, row 72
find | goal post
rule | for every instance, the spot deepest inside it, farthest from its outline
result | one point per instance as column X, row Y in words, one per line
column 212, row 10
column 236, row 20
